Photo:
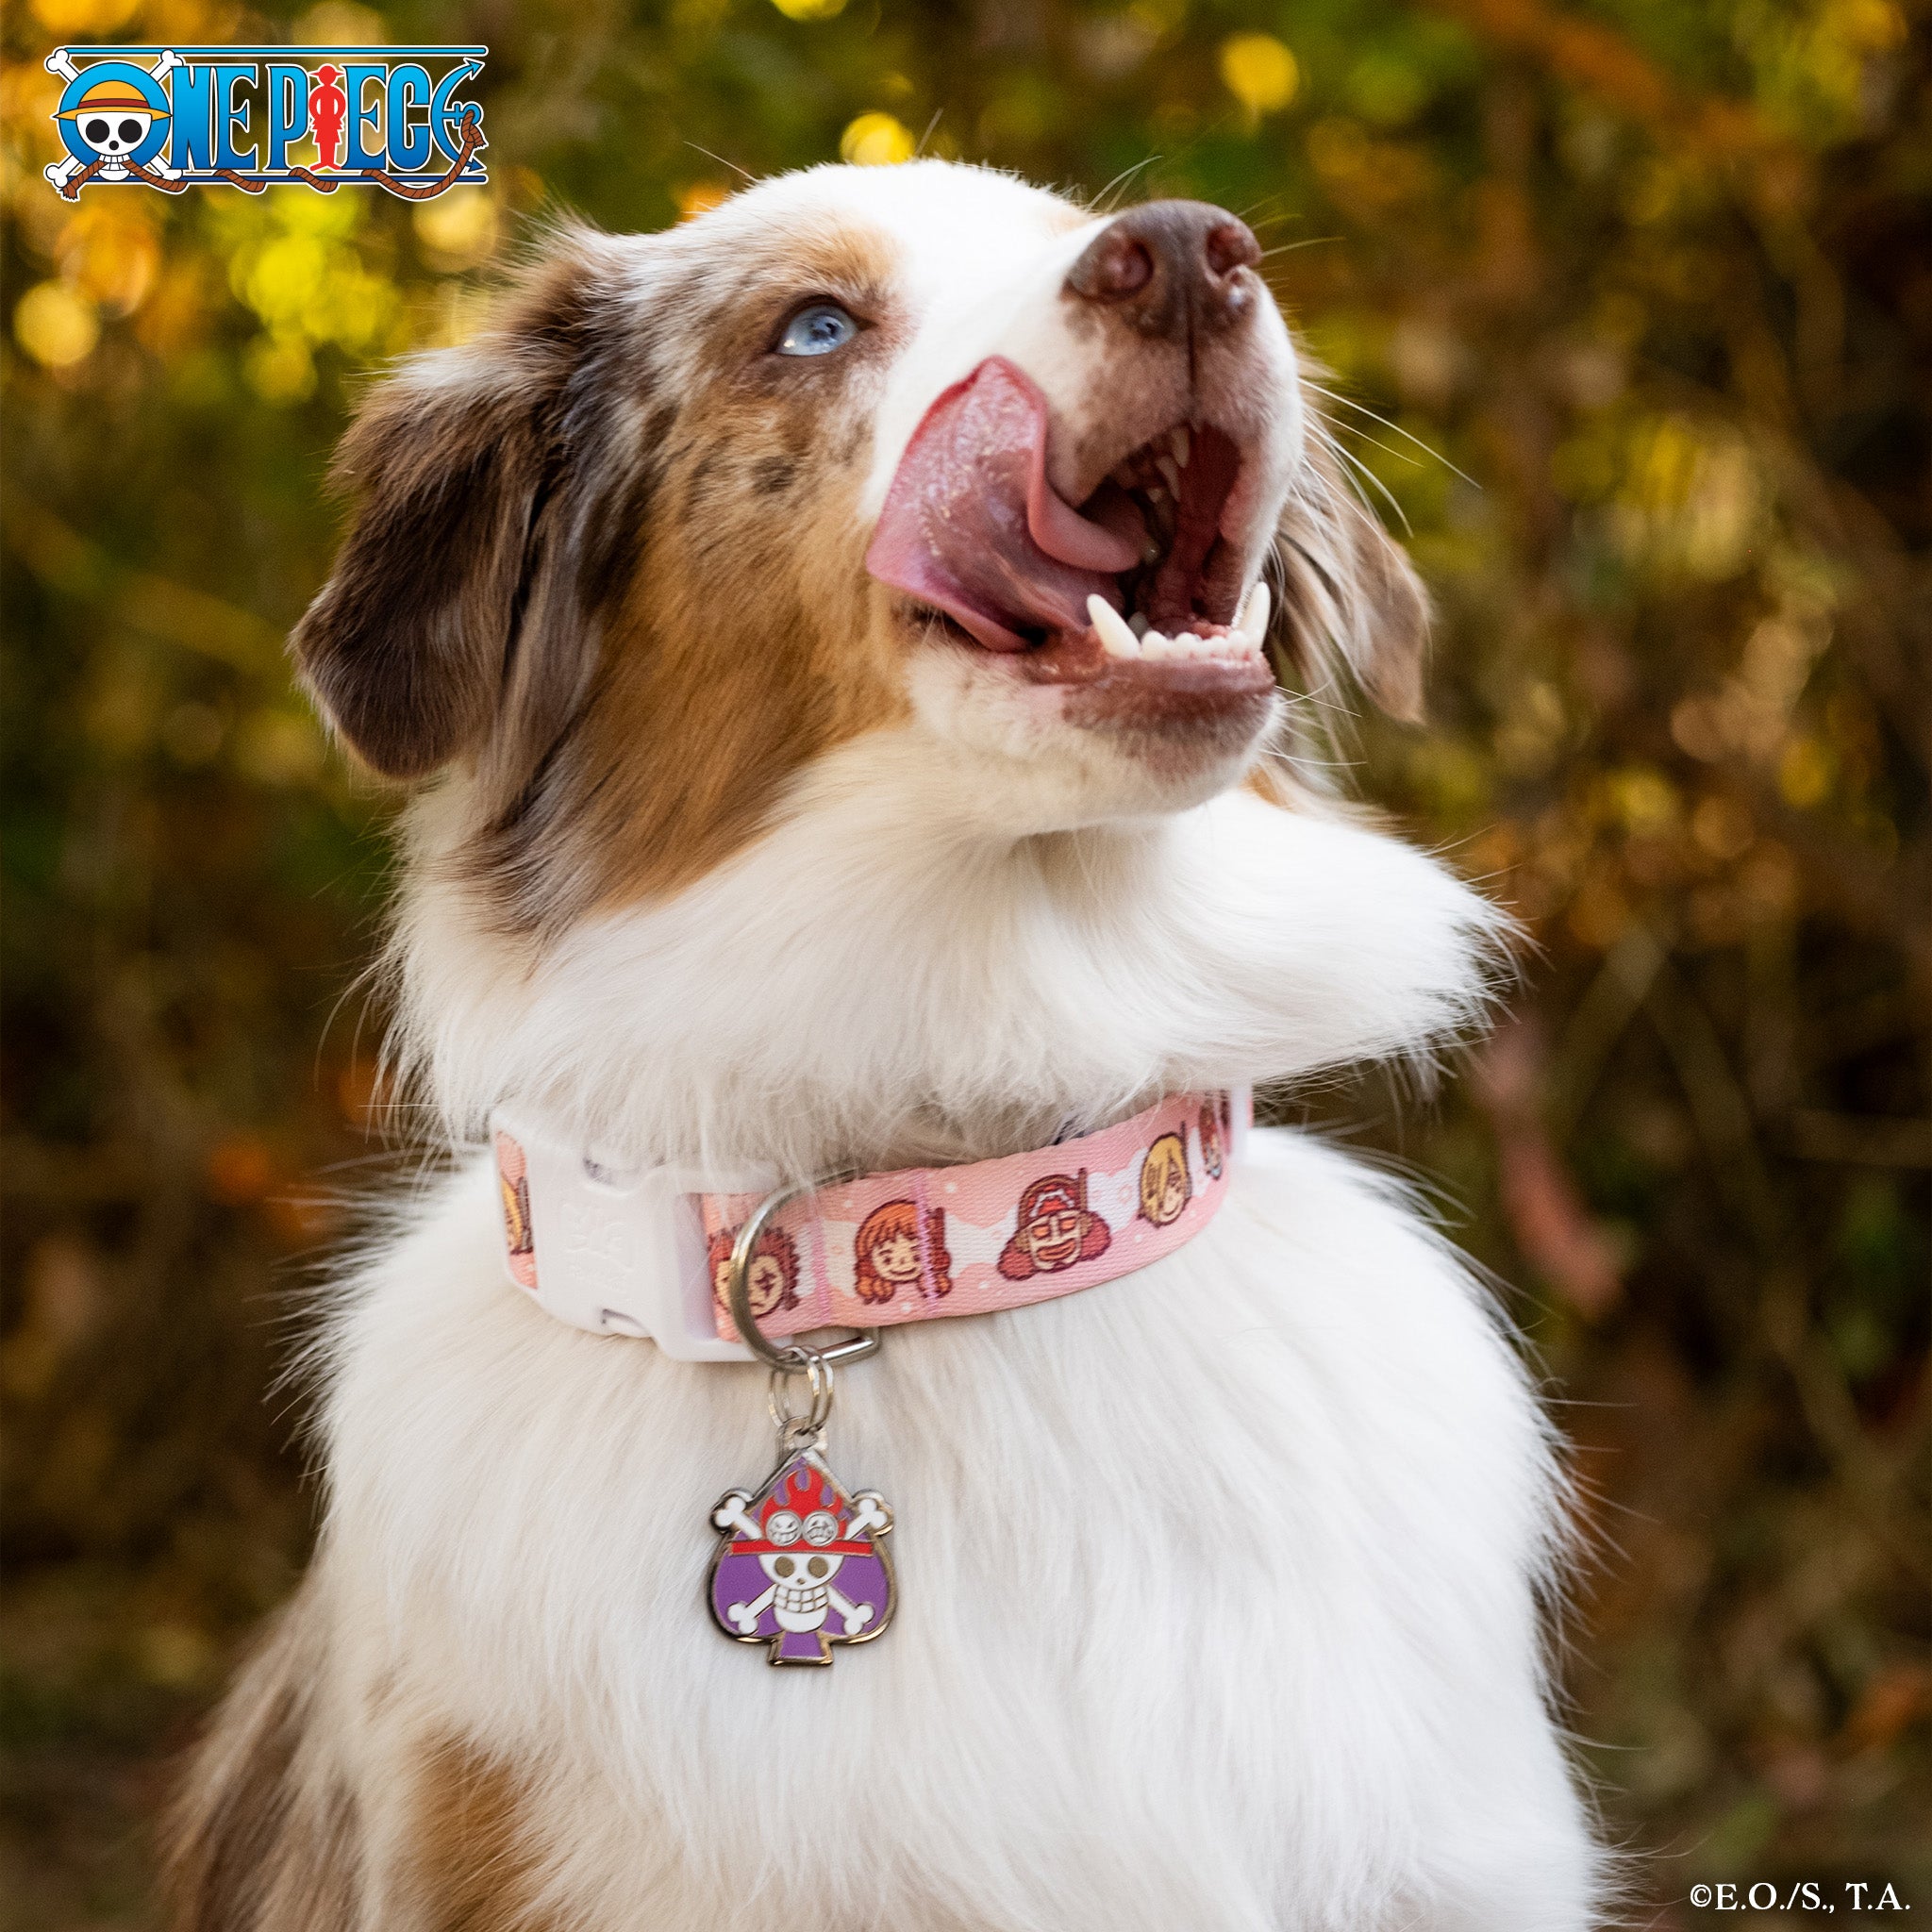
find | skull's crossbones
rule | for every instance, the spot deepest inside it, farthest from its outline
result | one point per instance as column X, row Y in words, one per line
column 111, row 118
column 798, row 1526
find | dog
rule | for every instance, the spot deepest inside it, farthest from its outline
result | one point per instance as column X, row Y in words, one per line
column 824, row 645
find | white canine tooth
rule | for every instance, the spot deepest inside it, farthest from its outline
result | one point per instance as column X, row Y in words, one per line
column 1138, row 625
column 1252, row 625
column 1115, row 638
column 1183, row 444
column 1171, row 471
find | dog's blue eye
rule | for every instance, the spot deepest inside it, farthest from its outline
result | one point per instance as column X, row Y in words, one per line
column 817, row 330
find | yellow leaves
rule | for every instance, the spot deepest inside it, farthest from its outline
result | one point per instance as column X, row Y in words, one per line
column 700, row 197
column 294, row 263
column 1453, row 777
column 291, row 260
column 1804, row 773
column 280, row 368
column 1641, row 799
column 175, row 1654
column 1366, row 175
column 282, row 278
column 1016, row 117
column 280, row 746
column 1260, row 72
column 876, row 140
column 809, row 9
column 1428, row 359
column 74, row 19
column 56, row 325
column 339, row 24
column 1532, row 731
column 1662, row 471
column 171, row 319
column 1813, row 67
column 110, row 251
column 1599, row 912
column 1386, row 90
column 1163, row 19
column 1685, row 497
column 1876, row 25
column 1721, row 827
column 357, row 307
column 1754, row 717
column 110, row 256
column 458, row 229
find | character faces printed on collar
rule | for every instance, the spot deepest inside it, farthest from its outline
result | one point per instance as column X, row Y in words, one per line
column 513, row 1196
column 1053, row 1228
column 970, row 1239
column 1166, row 1187
column 1214, row 1126
column 771, row 1281
column 896, row 1251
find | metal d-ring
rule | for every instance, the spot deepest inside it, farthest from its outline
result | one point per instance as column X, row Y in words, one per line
column 787, row 1358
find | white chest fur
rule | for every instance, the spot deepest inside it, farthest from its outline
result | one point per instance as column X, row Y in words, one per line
column 1217, row 1591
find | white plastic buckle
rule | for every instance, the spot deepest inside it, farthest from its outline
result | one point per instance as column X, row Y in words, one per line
column 623, row 1252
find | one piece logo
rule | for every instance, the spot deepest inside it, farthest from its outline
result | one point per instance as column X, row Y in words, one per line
column 394, row 118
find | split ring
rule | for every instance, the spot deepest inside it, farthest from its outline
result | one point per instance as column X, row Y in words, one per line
column 811, row 1421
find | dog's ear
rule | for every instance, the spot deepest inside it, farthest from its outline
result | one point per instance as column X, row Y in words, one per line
column 1348, row 590
column 456, row 599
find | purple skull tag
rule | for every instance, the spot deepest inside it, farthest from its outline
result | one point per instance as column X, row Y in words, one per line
column 799, row 1567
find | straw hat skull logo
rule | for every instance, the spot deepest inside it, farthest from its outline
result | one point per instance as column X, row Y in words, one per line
column 113, row 119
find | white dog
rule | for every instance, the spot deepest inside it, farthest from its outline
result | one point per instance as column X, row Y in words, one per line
column 833, row 626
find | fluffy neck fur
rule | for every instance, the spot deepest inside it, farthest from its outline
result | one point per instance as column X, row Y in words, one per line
column 891, row 973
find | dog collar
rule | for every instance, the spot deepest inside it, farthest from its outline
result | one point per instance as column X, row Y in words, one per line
column 643, row 1252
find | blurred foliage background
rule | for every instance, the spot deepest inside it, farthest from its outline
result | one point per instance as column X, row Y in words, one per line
column 1628, row 306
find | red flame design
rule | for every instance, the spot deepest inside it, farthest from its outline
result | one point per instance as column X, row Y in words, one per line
column 802, row 1492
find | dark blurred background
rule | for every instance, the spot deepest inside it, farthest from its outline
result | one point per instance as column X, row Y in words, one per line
column 1627, row 308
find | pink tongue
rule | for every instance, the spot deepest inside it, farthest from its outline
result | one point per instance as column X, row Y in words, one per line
column 972, row 525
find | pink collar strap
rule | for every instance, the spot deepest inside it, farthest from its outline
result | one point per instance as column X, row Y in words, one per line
column 643, row 1252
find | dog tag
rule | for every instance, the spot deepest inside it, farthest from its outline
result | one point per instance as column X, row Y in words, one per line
column 800, row 1565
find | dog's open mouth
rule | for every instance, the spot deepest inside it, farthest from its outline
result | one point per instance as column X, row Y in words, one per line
column 1144, row 574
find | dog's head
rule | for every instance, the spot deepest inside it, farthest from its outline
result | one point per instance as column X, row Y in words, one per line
column 918, row 448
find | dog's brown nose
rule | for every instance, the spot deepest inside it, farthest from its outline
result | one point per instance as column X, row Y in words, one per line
column 1169, row 268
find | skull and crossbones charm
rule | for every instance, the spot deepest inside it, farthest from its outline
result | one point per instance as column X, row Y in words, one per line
column 800, row 1566
column 825, row 1579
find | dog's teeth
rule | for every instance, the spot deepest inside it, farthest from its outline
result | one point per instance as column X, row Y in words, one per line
column 1171, row 471
column 1188, row 645
column 1250, row 627
column 1115, row 638
column 1138, row 625
column 1151, row 554
column 1183, row 444
column 1154, row 645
